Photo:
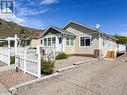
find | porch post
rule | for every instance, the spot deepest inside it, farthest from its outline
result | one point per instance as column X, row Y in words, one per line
column 57, row 41
column 16, row 45
column 63, row 43
column 39, row 62
column 9, row 52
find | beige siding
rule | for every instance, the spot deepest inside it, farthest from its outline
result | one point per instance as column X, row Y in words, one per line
column 69, row 49
column 35, row 42
column 106, row 48
column 82, row 50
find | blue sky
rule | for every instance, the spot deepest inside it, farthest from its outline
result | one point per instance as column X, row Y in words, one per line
column 111, row 14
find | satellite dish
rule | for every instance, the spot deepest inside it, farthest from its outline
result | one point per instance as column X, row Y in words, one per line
column 98, row 26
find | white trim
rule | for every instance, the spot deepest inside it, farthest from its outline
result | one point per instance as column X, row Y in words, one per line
column 69, row 45
column 78, row 24
column 94, row 29
column 85, row 36
column 48, row 29
column 47, row 40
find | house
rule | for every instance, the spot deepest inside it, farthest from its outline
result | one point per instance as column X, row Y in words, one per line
column 78, row 39
column 27, row 38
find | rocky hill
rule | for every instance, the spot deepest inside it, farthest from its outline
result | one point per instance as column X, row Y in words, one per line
column 10, row 29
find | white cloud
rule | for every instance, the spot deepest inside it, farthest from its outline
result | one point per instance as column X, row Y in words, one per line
column 30, row 12
column 48, row 2
column 124, row 34
column 12, row 17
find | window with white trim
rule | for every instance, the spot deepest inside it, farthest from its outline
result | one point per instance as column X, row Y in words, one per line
column 85, row 41
column 53, row 40
column 69, row 41
column 49, row 41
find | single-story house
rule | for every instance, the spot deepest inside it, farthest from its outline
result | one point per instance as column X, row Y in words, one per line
column 27, row 38
column 79, row 39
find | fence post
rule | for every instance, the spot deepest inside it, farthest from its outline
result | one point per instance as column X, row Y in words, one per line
column 39, row 62
column 25, row 53
column 16, row 44
column 15, row 50
column 9, row 52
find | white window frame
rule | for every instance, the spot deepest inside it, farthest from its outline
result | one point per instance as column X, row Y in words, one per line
column 84, row 36
column 70, row 42
column 47, row 40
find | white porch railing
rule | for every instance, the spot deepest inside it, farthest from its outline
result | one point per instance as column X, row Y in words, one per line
column 52, row 51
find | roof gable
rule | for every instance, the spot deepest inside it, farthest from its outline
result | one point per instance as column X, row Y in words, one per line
column 93, row 30
column 63, row 31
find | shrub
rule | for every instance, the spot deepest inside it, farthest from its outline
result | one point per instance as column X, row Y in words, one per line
column 61, row 56
column 47, row 67
column 12, row 59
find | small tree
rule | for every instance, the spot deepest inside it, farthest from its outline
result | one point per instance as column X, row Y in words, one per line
column 121, row 39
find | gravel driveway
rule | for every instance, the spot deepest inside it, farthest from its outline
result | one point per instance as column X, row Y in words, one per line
column 102, row 78
column 70, row 61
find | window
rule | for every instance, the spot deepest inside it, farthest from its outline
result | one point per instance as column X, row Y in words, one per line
column 45, row 41
column 69, row 41
column 85, row 41
column 49, row 41
column 53, row 40
column 41, row 41
column 107, row 42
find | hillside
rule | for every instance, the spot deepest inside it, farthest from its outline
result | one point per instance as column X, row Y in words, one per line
column 11, row 28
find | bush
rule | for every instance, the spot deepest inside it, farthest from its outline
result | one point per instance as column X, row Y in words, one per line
column 61, row 56
column 12, row 59
column 47, row 67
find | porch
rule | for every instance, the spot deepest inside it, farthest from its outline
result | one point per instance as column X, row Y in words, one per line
column 53, row 41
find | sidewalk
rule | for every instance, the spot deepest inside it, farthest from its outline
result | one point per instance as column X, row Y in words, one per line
column 3, row 90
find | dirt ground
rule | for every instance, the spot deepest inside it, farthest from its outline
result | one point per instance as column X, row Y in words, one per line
column 101, row 78
column 70, row 61
column 11, row 78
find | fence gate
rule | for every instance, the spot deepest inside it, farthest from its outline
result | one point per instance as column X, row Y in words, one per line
column 29, row 60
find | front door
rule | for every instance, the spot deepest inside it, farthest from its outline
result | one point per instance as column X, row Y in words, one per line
column 60, row 45
column 60, row 40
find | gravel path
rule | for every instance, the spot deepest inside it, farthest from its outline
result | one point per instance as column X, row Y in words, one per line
column 102, row 78
column 70, row 61
column 11, row 78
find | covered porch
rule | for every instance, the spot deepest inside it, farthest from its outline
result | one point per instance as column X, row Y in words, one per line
column 54, row 39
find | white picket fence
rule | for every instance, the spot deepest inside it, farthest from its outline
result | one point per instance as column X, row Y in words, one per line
column 29, row 61
column 26, row 59
column 5, row 54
